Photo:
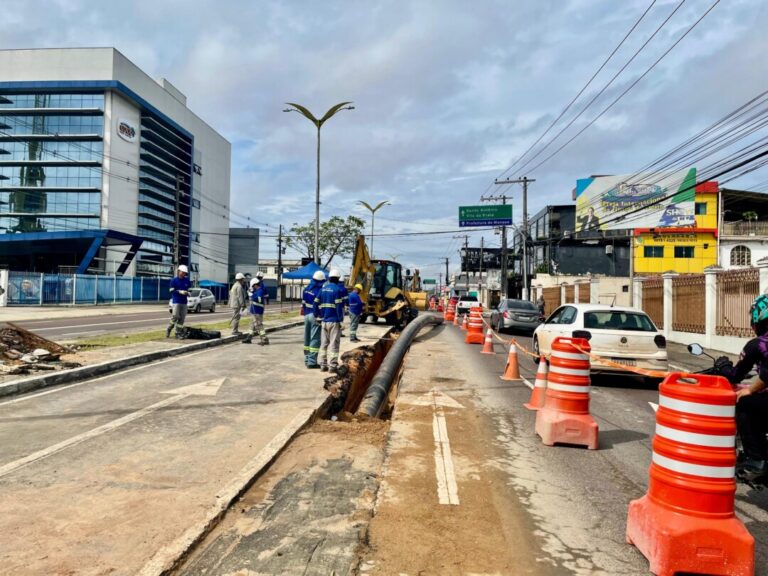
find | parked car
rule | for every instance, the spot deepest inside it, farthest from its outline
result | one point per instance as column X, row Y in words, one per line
column 466, row 301
column 199, row 299
column 516, row 315
column 623, row 335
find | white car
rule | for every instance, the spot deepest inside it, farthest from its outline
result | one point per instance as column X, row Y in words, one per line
column 623, row 335
column 199, row 299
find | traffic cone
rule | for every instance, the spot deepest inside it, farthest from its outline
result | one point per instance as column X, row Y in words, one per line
column 465, row 322
column 512, row 370
column 539, row 387
column 488, row 344
column 455, row 319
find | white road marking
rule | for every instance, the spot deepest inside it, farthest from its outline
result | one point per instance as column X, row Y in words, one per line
column 447, row 491
column 654, row 406
column 679, row 368
column 204, row 388
column 92, row 380
column 526, row 382
column 432, row 398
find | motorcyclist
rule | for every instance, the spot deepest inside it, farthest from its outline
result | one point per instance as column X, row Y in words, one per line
column 751, row 407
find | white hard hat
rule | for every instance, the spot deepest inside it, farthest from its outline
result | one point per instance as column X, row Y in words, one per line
column 334, row 273
column 319, row 275
column 184, row 269
column 259, row 274
column 239, row 276
column 255, row 281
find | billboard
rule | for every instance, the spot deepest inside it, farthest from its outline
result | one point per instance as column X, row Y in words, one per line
column 637, row 201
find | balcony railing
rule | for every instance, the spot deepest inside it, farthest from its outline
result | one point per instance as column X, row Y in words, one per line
column 744, row 228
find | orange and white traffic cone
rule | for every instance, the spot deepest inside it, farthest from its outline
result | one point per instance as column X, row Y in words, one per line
column 465, row 322
column 512, row 370
column 455, row 319
column 488, row 344
column 538, row 394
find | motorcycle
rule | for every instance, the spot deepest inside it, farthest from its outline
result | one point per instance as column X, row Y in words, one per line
column 756, row 483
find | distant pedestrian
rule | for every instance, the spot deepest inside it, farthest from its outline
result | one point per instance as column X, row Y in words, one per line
column 312, row 329
column 238, row 301
column 355, row 311
column 257, row 314
column 179, row 288
column 329, row 310
column 540, row 303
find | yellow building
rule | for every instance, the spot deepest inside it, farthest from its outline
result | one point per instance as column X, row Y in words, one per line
column 681, row 250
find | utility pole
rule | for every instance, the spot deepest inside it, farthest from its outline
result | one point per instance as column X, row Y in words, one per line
column 280, row 264
column 177, row 224
column 465, row 258
column 481, row 257
column 446, row 272
column 524, row 181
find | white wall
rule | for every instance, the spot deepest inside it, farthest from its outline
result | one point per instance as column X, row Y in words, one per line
column 758, row 246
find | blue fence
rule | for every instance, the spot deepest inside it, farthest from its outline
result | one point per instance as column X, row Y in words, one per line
column 30, row 289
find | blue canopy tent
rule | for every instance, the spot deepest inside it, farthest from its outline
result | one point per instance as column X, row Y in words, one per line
column 219, row 289
column 305, row 272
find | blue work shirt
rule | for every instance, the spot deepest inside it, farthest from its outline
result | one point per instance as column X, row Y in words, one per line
column 355, row 303
column 309, row 295
column 257, row 300
column 329, row 304
column 344, row 294
column 179, row 284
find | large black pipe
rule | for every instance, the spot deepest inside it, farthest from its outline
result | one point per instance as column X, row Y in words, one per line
column 376, row 395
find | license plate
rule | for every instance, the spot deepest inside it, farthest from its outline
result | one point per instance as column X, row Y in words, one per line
column 625, row 361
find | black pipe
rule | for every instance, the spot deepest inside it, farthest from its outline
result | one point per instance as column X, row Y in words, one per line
column 376, row 395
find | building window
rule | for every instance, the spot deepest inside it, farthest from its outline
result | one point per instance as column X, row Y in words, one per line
column 653, row 251
column 264, row 269
column 741, row 256
column 701, row 208
column 683, row 251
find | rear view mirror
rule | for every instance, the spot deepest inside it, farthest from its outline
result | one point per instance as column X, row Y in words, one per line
column 695, row 349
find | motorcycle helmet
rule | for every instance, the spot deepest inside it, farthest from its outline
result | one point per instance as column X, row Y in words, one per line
column 758, row 315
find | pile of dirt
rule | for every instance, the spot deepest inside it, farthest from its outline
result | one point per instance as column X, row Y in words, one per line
column 22, row 351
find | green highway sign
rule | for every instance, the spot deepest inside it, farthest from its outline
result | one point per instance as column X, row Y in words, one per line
column 429, row 281
column 486, row 215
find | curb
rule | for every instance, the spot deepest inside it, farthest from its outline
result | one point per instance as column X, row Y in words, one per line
column 25, row 385
column 169, row 558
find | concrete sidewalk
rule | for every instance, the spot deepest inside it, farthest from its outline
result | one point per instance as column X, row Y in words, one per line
column 119, row 474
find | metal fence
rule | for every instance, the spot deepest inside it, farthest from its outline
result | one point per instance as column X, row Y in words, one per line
column 736, row 290
column 653, row 300
column 551, row 299
column 33, row 289
column 688, row 310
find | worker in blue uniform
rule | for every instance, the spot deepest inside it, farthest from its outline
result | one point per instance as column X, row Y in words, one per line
column 355, row 311
column 257, row 314
column 179, row 288
column 329, row 311
column 311, row 328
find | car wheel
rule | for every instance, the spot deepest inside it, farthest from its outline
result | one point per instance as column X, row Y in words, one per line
column 213, row 308
column 537, row 355
column 198, row 308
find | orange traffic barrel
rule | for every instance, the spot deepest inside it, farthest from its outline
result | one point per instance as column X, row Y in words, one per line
column 475, row 326
column 450, row 312
column 686, row 521
column 565, row 417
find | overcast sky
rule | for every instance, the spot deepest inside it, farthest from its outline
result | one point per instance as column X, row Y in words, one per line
column 447, row 93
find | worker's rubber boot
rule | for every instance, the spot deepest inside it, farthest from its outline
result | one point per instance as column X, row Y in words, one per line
column 168, row 331
column 247, row 340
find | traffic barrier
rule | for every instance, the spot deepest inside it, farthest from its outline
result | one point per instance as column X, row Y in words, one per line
column 511, row 370
column 456, row 320
column 488, row 344
column 475, row 326
column 465, row 322
column 686, row 522
column 440, row 306
column 539, row 387
column 450, row 312
column 565, row 417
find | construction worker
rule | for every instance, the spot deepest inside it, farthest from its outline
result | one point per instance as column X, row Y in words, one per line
column 329, row 310
column 311, row 328
column 238, row 301
column 260, row 276
column 179, row 288
column 355, row 310
column 344, row 299
column 257, row 314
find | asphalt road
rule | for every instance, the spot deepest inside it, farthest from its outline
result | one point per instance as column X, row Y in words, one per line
column 88, row 326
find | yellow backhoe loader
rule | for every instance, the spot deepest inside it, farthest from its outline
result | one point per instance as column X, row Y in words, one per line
column 383, row 295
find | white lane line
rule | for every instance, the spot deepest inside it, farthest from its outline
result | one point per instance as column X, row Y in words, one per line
column 447, row 490
column 654, row 406
column 113, row 375
column 679, row 368
column 526, row 382
column 204, row 389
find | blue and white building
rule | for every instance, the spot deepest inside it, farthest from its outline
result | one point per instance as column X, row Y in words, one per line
column 106, row 170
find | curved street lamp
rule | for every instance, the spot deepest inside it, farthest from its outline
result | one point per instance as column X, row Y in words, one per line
column 319, row 123
column 373, row 216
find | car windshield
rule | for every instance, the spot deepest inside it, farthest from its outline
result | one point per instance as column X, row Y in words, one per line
column 468, row 298
column 521, row 305
column 195, row 292
column 616, row 320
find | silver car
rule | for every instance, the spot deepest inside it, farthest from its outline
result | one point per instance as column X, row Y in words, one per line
column 199, row 299
column 516, row 315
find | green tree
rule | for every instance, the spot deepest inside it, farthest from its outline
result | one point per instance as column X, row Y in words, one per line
column 337, row 238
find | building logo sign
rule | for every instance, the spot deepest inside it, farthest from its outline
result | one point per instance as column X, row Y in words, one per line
column 126, row 130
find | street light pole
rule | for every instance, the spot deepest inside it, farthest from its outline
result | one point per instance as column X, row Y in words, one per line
column 319, row 123
column 373, row 216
